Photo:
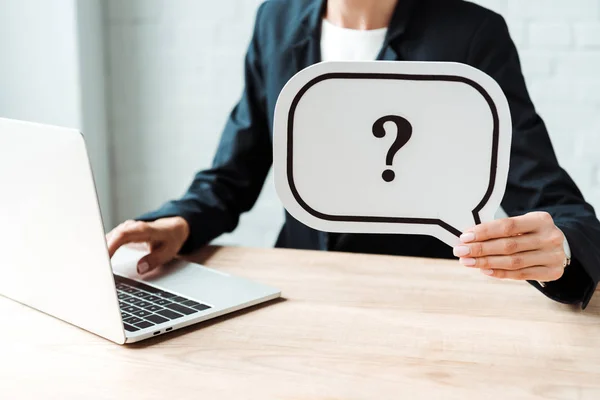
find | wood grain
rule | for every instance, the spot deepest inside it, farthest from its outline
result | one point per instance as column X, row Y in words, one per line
column 349, row 327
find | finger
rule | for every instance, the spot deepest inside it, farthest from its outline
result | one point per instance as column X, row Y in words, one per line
column 506, row 227
column 535, row 273
column 144, row 246
column 121, row 226
column 516, row 261
column 154, row 260
column 133, row 233
column 505, row 246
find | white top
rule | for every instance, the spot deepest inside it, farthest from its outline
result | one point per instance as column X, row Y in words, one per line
column 342, row 44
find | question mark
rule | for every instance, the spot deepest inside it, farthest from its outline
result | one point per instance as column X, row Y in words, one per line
column 404, row 132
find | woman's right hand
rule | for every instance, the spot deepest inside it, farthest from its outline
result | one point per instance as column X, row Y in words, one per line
column 163, row 238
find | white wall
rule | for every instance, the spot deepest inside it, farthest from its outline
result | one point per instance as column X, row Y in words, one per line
column 559, row 44
column 52, row 72
column 92, row 106
column 176, row 71
column 39, row 73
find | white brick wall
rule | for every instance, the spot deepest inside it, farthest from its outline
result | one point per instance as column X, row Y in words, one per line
column 587, row 35
column 175, row 71
column 551, row 35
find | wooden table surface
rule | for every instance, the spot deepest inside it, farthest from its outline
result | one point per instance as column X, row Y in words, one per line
column 349, row 327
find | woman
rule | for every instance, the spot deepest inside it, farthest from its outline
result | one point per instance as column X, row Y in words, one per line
column 550, row 224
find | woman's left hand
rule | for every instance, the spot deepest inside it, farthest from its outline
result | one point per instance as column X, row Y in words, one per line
column 528, row 247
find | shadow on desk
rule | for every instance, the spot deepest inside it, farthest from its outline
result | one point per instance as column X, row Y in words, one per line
column 202, row 325
column 594, row 305
column 592, row 310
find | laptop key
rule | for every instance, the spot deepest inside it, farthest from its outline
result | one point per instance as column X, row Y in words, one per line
column 178, row 299
column 162, row 302
column 130, row 309
column 152, row 298
column 165, row 295
column 126, row 281
column 157, row 319
column 131, row 300
column 123, row 296
column 141, row 313
column 144, row 324
column 190, row 303
column 124, row 315
column 142, row 303
column 141, row 294
column 201, row 307
column 181, row 309
column 143, row 286
column 169, row 314
column 130, row 328
column 132, row 320
column 154, row 308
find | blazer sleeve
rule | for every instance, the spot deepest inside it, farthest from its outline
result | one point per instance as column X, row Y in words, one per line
column 217, row 196
column 536, row 182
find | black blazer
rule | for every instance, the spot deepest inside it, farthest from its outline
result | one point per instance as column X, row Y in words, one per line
column 286, row 39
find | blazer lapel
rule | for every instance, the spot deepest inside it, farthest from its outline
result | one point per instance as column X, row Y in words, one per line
column 387, row 53
column 307, row 50
column 306, row 53
column 397, row 27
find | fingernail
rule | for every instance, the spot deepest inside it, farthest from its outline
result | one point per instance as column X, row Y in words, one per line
column 467, row 237
column 461, row 251
column 487, row 271
column 469, row 262
column 143, row 268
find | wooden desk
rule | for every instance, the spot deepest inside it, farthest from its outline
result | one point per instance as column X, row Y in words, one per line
column 351, row 327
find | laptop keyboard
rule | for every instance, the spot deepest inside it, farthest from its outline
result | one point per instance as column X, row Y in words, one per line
column 143, row 306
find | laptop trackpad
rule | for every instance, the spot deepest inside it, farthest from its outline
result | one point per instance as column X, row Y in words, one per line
column 191, row 280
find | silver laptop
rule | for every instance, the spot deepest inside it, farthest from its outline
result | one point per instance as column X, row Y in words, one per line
column 54, row 255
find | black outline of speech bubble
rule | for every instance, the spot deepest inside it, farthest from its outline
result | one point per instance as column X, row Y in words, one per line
column 383, row 76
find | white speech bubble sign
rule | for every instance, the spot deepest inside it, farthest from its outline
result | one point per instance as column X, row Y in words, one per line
column 392, row 147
